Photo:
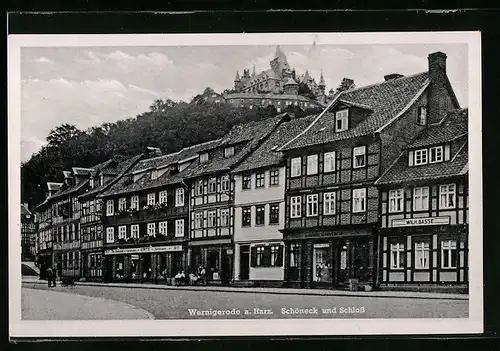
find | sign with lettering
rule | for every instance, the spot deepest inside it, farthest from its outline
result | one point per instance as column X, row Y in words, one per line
column 412, row 222
column 138, row 250
column 319, row 246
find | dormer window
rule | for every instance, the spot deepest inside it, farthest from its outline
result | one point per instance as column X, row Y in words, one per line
column 436, row 154
column 91, row 183
column 229, row 151
column 422, row 115
column 341, row 118
column 420, row 157
column 154, row 174
column 204, row 157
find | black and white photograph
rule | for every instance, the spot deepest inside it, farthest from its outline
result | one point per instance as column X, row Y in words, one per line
column 245, row 184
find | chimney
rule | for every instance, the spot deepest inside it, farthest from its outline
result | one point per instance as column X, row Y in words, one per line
column 392, row 76
column 438, row 99
column 153, row 151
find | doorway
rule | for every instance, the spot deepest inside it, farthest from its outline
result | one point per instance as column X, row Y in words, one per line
column 245, row 262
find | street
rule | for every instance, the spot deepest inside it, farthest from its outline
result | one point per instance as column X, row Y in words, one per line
column 198, row 304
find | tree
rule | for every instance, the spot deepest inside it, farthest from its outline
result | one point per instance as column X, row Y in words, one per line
column 62, row 134
column 345, row 84
column 305, row 91
column 160, row 105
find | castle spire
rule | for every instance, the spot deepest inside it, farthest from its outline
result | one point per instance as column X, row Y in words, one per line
column 253, row 71
column 278, row 51
column 322, row 79
column 237, row 78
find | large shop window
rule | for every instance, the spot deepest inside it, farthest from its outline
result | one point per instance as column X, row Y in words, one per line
column 296, row 167
column 448, row 254
column 447, row 195
column 322, row 267
column 295, row 206
column 267, row 256
column 422, row 255
column 120, row 267
column 396, row 198
column 312, row 205
column 421, row 199
column 398, row 257
column 312, row 164
column 246, row 216
column 358, row 200
column 329, row 162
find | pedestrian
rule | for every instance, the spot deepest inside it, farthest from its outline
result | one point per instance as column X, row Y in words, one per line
column 49, row 273
column 54, row 276
column 203, row 275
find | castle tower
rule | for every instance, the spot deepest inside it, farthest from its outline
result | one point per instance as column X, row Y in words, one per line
column 237, row 82
column 253, row 71
column 322, row 84
column 291, row 87
column 279, row 63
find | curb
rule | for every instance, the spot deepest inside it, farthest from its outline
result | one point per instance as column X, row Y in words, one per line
column 284, row 292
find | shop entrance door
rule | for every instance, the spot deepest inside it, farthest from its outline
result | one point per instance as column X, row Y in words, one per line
column 245, row 262
column 213, row 265
column 225, row 267
column 108, row 268
column 146, row 266
column 341, row 267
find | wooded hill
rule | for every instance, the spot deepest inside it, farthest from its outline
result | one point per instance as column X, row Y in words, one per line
column 168, row 125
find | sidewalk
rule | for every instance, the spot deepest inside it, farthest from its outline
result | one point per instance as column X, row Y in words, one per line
column 282, row 291
column 55, row 305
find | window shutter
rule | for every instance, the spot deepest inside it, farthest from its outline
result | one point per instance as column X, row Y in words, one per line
column 447, row 152
column 410, row 158
column 253, row 253
column 267, row 256
column 280, row 256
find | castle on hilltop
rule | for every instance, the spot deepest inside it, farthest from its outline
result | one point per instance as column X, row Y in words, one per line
column 280, row 78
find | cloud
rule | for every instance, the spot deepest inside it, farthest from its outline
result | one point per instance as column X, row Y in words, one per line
column 43, row 59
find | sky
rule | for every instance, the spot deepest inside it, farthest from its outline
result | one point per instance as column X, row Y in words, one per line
column 87, row 86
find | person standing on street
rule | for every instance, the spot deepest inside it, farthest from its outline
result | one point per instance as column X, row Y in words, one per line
column 50, row 274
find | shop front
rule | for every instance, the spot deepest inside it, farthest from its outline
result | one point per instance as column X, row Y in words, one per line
column 336, row 262
column 144, row 264
column 215, row 257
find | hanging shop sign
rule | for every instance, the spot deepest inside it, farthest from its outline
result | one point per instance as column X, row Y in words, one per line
column 412, row 222
column 139, row 250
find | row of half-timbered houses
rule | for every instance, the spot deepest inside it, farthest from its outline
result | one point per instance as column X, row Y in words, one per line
column 370, row 193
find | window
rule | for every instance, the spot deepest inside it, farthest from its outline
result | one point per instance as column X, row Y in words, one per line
column 260, row 256
column 110, row 210
column 259, row 180
column 274, row 214
column 91, row 183
column 274, row 177
column 312, row 164
column 294, row 255
column 436, row 154
column 359, row 157
column 134, row 202
column 151, row 199
column 179, row 197
column 179, row 228
column 448, row 254
column 229, row 151
column 421, row 255
column 212, row 218
column 224, row 217
column 199, row 187
column 204, row 157
column 295, row 167
column 154, row 174
column 122, row 232
column 162, row 197
column 312, row 205
column 246, row 216
column 224, row 183
column 151, row 229
column 122, row 204
column 421, row 199
column 447, row 195
column 396, row 198
column 422, row 115
column 397, row 256
column 198, row 220
column 162, row 228
column 420, row 157
column 259, row 215
column 329, row 203
column 246, row 182
column 275, row 256
column 295, row 207
column 358, row 200
column 110, row 234
column 341, row 120
column 212, row 185
column 329, row 162
column 134, row 231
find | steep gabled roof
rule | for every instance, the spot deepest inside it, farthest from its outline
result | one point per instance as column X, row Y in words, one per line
column 25, row 210
column 266, row 155
column 387, row 100
column 452, row 126
column 82, row 171
column 401, row 172
column 54, row 186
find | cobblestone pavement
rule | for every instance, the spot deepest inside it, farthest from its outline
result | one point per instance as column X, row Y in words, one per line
column 184, row 304
column 57, row 305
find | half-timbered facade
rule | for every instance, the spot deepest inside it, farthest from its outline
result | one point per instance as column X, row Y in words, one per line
column 146, row 219
column 424, row 210
column 212, row 198
column 259, row 205
column 27, row 233
column 331, row 202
